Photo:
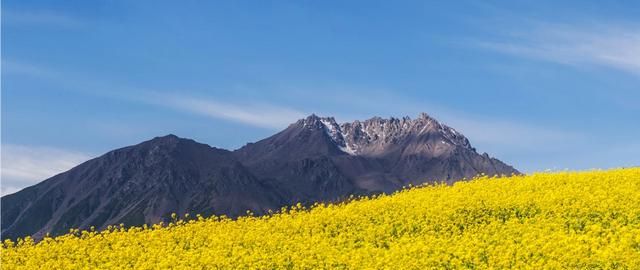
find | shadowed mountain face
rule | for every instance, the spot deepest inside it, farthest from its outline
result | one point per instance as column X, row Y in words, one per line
column 313, row 160
column 140, row 184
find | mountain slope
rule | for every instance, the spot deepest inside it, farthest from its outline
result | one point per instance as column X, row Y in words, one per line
column 301, row 161
column 420, row 150
column 140, row 184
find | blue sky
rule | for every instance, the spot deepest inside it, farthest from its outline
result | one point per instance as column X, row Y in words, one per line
column 538, row 84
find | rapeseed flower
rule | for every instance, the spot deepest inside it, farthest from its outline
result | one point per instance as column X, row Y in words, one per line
column 576, row 220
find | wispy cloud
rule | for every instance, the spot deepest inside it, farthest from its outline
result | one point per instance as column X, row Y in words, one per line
column 39, row 18
column 16, row 67
column 610, row 46
column 251, row 113
column 513, row 135
column 27, row 165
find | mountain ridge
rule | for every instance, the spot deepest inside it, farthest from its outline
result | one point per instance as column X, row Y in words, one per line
column 314, row 159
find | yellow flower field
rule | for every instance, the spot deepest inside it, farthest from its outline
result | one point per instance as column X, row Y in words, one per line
column 571, row 220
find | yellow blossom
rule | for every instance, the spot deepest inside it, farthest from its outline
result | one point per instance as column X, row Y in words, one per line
column 564, row 220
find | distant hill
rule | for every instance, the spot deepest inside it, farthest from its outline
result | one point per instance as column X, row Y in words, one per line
column 314, row 159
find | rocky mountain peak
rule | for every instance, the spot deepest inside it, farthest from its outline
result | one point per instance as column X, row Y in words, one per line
column 355, row 137
column 327, row 125
column 424, row 115
column 314, row 121
column 161, row 146
column 164, row 140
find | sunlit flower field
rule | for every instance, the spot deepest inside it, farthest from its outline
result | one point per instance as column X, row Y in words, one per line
column 557, row 220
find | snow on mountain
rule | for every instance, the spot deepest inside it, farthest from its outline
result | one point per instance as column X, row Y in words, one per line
column 360, row 137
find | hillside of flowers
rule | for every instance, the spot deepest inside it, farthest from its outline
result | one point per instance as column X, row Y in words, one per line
column 577, row 220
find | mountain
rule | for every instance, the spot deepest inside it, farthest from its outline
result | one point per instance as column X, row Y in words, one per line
column 315, row 159
column 139, row 184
